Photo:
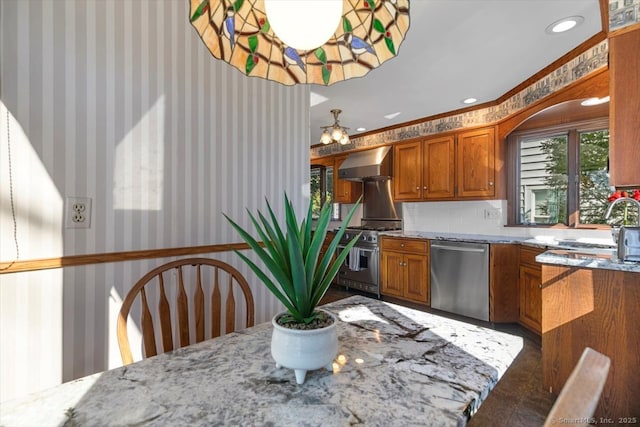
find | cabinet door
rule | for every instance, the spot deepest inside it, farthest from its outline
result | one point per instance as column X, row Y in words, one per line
column 624, row 89
column 407, row 169
column 391, row 274
column 438, row 168
column 531, row 297
column 476, row 163
column 344, row 191
column 416, row 278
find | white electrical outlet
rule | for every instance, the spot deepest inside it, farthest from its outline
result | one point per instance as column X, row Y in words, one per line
column 77, row 212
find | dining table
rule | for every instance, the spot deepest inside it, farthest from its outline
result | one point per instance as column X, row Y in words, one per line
column 396, row 366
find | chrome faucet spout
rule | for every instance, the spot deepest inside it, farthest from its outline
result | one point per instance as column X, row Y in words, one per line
column 607, row 214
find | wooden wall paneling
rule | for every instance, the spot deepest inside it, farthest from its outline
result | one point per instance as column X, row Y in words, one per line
column 624, row 146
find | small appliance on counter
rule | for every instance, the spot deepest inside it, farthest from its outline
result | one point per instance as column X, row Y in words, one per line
column 629, row 244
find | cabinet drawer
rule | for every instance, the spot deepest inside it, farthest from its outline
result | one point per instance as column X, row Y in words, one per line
column 404, row 245
column 528, row 256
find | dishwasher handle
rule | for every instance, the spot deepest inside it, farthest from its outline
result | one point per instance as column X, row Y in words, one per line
column 458, row 248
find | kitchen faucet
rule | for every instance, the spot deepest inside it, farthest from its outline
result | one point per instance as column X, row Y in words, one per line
column 622, row 199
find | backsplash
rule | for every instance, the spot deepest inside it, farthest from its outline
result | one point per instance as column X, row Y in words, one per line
column 486, row 217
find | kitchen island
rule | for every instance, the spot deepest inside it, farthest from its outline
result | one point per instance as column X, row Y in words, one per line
column 395, row 367
column 589, row 299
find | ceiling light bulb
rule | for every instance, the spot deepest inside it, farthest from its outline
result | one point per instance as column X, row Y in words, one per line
column 345, row 138
column 336, row 133
column 304, row 24
column 564, row 24
column 594, row 101
column 325, row 138
column 469, row 101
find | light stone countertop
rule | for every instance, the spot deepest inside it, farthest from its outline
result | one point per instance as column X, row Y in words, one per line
column 601, row 259
column 396, row 367
column 587, row 253
column 454, row 237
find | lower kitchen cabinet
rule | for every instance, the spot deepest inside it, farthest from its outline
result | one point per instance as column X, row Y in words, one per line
column 530, row 289
column 404, row 269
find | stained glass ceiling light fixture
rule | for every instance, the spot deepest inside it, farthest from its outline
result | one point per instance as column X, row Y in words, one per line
column 241, row 33
column 334, row 132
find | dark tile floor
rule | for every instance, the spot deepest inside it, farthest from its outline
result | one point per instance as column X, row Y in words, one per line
column 519, row 398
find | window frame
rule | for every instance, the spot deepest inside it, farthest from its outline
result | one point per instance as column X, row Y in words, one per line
column 573, row 131
column 335, row 211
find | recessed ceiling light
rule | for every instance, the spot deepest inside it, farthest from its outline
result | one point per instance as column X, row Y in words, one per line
column 361, row 129
column 392, row 115
column 594, row 101
column 469, row 100
column 564, row 24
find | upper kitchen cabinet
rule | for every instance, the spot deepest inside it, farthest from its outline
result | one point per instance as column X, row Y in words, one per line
column 438, row 177
column 476, row 163
column 407, row 169
column 427, row 169
column 624, row 109
column 344, row 191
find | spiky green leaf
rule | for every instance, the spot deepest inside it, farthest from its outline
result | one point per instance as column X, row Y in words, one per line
column 237, row 5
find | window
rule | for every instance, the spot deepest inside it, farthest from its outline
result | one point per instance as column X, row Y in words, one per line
column 322, row 190
column 561, row 175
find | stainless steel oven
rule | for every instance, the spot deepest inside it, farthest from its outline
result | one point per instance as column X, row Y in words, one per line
column 361, row 268
column 362, row 274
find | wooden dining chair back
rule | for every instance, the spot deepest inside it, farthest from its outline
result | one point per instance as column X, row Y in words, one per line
column 184, row 294
column 580, row 395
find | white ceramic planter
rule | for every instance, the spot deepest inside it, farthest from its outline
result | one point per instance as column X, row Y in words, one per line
column 304, row 350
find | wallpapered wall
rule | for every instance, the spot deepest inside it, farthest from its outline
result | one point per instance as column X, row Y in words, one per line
column 121, row 102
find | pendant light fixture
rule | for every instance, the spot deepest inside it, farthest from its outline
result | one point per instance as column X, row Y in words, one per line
column 335, row 132
column 302, row 41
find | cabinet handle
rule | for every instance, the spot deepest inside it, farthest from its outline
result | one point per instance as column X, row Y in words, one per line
column 539, row 286
column 417, row 188
column 491, row 183
column 424, row 188
column 402, row 245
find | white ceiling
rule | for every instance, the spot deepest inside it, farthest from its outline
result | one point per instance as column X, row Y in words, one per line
column 455, row 49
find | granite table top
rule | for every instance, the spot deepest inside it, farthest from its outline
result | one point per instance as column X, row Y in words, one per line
column 395, row 367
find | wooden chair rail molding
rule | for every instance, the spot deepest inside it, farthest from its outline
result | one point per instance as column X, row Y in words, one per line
column 76, row 260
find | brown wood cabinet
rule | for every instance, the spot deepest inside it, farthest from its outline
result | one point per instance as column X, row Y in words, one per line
column 624, row 108
column 475, row 164
column 407, row 171
column 530, row 289
column 404, row 269
column 594, row 308
column 503, row 282
column 344, row 191
column 453, row 167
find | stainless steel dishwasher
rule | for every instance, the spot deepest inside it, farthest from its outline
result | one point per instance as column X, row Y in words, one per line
column 460, row 278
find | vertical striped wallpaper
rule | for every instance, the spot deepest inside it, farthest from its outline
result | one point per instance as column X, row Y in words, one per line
column 121, row 102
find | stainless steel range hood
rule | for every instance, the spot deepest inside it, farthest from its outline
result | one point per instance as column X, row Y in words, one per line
column 374, row 163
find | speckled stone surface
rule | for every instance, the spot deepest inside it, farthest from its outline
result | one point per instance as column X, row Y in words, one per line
column 454, row 237
column 395, row 367
column 602, row 259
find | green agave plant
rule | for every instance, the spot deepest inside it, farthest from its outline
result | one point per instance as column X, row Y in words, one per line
column 291, row 253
